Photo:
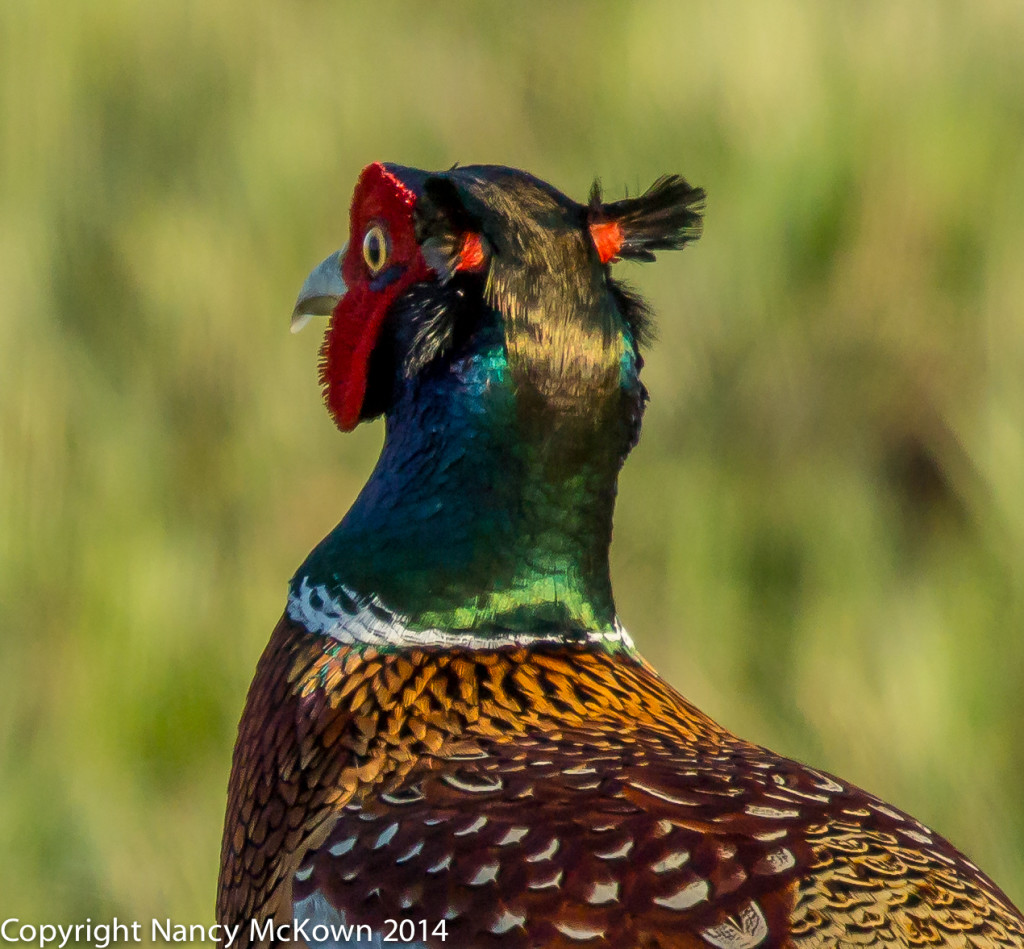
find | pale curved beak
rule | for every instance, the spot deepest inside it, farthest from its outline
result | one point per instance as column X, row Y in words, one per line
column 321, row 291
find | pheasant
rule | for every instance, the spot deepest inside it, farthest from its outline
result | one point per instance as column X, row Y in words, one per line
column 451, row 739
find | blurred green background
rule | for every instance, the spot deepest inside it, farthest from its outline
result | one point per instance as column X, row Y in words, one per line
column 820, row 538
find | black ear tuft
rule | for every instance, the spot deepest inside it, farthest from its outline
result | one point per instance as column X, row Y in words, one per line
column 666, row 216
column 441, row 224
column 441, row 207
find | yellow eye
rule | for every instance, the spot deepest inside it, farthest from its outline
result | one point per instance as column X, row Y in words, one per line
column 375, row 248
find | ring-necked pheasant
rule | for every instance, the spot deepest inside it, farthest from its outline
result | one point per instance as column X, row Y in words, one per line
column 450, row 728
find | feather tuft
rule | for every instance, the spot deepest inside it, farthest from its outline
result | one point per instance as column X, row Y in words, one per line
column 667, row 216
column 448, row 235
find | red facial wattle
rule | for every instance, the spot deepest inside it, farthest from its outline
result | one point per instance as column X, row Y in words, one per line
column 383, row 200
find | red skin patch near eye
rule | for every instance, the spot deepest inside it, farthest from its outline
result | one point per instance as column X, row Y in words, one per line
column 471, row 254
column 379, row 197
column 608, row 239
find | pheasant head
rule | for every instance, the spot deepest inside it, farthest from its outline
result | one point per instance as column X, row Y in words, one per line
column 477, row 311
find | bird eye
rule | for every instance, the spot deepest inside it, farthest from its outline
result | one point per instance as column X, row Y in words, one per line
column 375, row 248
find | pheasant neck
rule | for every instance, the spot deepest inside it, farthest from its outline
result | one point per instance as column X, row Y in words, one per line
column 487, row 519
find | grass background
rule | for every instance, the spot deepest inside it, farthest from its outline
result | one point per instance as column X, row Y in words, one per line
column 820, row 538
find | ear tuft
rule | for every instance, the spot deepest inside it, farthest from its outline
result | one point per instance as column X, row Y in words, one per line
column 666, row 216
column 448, row 235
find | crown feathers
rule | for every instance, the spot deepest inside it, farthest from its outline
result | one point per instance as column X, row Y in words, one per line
column 666, row 216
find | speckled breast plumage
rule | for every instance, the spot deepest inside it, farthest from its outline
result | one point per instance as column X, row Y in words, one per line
column 558, row 797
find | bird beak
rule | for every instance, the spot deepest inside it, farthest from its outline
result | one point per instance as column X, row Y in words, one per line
column 321, row 291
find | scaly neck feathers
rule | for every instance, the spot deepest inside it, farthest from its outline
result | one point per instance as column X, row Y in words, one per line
column 488, row 517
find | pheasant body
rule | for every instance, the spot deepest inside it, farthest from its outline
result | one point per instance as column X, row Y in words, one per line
column 450, row 726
